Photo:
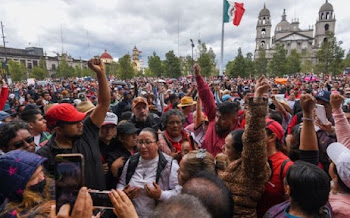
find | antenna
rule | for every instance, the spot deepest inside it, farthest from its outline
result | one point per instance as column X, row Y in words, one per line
column 87, row 34
column 62, row 39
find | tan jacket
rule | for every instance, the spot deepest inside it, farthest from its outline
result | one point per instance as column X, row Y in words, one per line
column 246, row 177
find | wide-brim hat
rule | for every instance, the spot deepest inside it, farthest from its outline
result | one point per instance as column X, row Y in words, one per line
column 186, row 101
column 85, row 106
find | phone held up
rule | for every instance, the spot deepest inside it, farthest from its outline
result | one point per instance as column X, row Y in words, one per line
column 69, row 178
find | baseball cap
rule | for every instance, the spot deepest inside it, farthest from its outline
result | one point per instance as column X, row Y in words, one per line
column 32, row 107
column 4, row 115
column 323, row 95
column 225, row 97
column 126, row 93
column 63, row 112
column 275, row 127
column 110, row 118
column 139, row 100
column 127, row 128
column 340, row 155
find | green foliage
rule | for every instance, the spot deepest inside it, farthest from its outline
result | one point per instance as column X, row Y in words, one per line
column 155, row 65
column 18, row 71
column 206, row 59
column 186, row 65
column 111, row 69
column 64, row 70
column 172, row 65
column 250, row 65
column 87, row 72
column 346, row 61
column 330, row 56
column 237, row 67
column 125, row 69
column 261, row 63
column 278, row 65
column 40, row 72
column 307, row 66
column 293, row 62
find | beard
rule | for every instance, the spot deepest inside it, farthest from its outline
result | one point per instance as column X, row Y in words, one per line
column 221, row 131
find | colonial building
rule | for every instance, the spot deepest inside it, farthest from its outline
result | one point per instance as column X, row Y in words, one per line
column 106, row 58
column 304, row 41
column 137, row 60
column 31, row 56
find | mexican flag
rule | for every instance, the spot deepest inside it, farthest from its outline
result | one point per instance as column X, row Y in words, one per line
column 233, row 11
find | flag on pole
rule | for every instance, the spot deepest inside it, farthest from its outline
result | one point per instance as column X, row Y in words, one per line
column 233, row 11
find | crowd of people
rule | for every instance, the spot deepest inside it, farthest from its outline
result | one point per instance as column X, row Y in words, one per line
column 185, row 147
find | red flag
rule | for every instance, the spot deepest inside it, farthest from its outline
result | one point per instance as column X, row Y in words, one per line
column 239, row 11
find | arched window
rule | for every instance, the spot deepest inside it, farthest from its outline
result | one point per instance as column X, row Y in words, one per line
column 327, row 16
column 262, row 44
column 264, row 20
column 326, row 27
column 325, row 39
column 263, row 32
column 322, row 16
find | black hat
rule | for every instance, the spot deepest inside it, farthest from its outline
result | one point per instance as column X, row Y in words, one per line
column 32, row 107
column 127, row 128
column 324, row 95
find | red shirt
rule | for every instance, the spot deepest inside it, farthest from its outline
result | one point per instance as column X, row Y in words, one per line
column 274, row 189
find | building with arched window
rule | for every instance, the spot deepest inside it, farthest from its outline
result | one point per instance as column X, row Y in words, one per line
column 291, row 36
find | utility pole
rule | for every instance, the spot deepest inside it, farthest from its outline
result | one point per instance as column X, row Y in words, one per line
column 4, row 44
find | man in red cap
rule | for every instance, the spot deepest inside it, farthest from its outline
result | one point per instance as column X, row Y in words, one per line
column 74, row 132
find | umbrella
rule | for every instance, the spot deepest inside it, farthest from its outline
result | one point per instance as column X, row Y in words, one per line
column 121, row 83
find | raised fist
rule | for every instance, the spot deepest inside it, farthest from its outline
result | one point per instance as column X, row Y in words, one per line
column 262, row 86
column 336, row 101
column 96, row 65
column 308, row 103
column 196, row 69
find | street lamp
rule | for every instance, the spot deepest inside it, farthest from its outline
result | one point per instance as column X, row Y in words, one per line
column 192, row 45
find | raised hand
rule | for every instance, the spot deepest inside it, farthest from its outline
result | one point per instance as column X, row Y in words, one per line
column 123, row 206
column 261, row 87
column 97, row 65
column 196, row 69
column 336, row 101
column 308, row 103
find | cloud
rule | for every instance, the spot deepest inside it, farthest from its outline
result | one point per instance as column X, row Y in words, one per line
column 89, row 27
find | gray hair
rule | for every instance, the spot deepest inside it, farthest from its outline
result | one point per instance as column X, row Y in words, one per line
column 182, row 205
column 173, row 112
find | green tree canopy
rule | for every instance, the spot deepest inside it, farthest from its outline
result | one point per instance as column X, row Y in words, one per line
column 237, row 67
column 206, row 59
column 172, row 65
column 40, row 72
column 250, row 65
column 125, row 68
column 330, row 55
column 64, row 70
column 261, row 63
column 278, row 65
column 293, row 62
column 18, row 71
column 155, row 65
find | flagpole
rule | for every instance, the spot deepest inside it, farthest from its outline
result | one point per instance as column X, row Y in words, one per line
column 222, row 40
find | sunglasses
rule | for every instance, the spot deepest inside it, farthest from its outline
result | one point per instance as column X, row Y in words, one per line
column 21, row 143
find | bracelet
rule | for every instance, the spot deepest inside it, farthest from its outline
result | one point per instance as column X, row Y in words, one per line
column 309, row 119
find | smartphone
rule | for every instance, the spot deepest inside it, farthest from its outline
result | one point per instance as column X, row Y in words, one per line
column 69, row 178
column 100, row 199
column 321, row 113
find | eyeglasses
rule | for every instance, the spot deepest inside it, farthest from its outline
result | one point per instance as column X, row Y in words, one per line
column 147, row 143
column 21, row 143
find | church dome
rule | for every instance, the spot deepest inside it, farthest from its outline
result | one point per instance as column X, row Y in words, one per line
column 105, row 55
column 264, row 12
column 326, row 7
column 283, row 26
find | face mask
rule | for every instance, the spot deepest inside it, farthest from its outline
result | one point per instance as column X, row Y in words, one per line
column 38, row 187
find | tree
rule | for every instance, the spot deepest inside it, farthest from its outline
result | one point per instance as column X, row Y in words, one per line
column 261, row 63
column 206, row 59
column 330, row 55
column 186, row 65
column 307, row 66
column 250, row 65
column 346, row 61
column 172, row 65
column 40, row 72
column 293, row 62
column 237, row 67
column 87, row 72
column 111, row 69
column 18, row 71
column 155, row 65
column 278, row 65
column 64, row 70
column 125, row 69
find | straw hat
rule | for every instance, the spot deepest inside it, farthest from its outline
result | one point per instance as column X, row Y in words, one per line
column 186, row 101
column 85, row 106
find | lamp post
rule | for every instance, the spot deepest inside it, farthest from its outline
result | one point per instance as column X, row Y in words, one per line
column 192, row 45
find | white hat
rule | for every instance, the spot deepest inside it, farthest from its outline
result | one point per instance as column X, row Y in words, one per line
column 110, row 118
column 340, row 155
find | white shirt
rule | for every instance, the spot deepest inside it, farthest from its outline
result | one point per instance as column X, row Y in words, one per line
column 145, row 173
column 37, row 142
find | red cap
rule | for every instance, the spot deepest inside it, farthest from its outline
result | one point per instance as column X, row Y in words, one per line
column 275, row 127
column 63, row 112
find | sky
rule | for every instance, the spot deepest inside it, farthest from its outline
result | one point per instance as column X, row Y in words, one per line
column 89, row 27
